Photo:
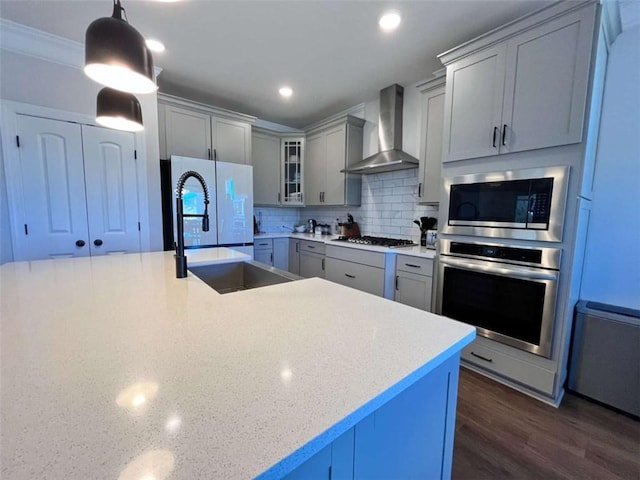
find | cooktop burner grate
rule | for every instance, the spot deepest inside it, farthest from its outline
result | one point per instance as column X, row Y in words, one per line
column 378, row 241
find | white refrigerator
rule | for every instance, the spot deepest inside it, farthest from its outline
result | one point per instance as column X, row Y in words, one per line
column 230, row 187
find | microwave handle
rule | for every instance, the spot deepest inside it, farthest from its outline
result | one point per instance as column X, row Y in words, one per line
column 506, row 271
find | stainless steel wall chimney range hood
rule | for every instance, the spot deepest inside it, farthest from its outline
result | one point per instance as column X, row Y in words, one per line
column 390, row 157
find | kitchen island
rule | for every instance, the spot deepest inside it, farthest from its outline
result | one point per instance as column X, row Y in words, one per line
column 113, row 368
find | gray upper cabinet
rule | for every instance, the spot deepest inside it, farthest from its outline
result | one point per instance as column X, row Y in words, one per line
column 430, row 170
column 330, row 148
column 188, row 132
column 526, row 90
column 195, row 130
column 265, row 152
column 473, row 107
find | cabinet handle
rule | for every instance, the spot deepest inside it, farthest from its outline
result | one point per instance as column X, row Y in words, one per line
column 209, row 154
column 311, row 247
column 397, row 280
column 495, row 130
column 297, row 245
column 350, row 276
column 320, row 197
column 490, row 360
column 97, row 242
column 412, row 265
column 420, row 189
column 323, row 264
column 278, row 197
column 271, row 256
column 504, row 134
column 263, row 244
column 215, row 154
column 80, row 243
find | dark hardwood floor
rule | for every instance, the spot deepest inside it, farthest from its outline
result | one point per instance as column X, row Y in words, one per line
column 503, row 434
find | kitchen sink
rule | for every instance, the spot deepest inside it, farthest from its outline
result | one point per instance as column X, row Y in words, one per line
column 232, row 277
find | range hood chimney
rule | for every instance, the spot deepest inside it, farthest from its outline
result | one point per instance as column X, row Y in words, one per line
column 390, row 157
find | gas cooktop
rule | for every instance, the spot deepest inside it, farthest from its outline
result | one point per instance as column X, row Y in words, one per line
column 377, row 241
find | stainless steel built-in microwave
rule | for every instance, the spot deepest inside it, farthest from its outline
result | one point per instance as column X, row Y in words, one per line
column 526, row 204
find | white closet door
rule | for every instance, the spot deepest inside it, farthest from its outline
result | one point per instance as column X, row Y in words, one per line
column 53, row 190
column 112, row 190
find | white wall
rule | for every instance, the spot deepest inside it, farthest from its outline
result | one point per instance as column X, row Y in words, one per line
column 612, row 263
column 389, row 200
column 6, row 249
column 38, row 82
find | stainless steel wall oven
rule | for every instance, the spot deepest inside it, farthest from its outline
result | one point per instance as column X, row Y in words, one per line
column 507, row 292
column 526, row 204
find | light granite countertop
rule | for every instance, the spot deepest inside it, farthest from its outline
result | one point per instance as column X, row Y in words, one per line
column 415, row 251
column 114, row 369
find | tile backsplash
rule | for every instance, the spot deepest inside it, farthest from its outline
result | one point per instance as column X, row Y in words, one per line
column 389, row 206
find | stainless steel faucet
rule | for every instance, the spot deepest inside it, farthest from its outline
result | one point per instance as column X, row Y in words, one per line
column 181, row 259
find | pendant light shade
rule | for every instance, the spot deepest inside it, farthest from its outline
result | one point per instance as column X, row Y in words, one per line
column 119, row 110
column 116, row 55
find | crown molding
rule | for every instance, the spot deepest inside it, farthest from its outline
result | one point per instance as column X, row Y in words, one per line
column 24, row 40
column 355, row 111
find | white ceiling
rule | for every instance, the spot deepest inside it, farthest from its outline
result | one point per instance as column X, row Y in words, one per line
column 236, row 54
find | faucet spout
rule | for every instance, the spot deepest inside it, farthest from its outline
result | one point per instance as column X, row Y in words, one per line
column 181, row 259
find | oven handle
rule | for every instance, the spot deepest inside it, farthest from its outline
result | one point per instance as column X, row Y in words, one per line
column 490, row 267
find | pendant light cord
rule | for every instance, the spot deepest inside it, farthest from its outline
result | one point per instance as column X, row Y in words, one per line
column 118, row 10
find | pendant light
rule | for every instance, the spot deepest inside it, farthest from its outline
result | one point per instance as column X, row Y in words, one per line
column 119, row 110
column 116, row 54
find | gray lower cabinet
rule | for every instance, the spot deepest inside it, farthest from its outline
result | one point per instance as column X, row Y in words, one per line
column 359, row 269
column 312, row 259
column 294, row 256
column 263, row 251
column 355, row 275
column 414, row 281
column 272, row 251
column 281, row 253
column 410, row 436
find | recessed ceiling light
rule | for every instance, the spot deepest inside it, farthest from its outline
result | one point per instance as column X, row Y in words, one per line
column 286, row 91
column 155, row 45
column 389, row 21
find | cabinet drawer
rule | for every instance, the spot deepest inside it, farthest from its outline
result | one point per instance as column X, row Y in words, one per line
column 264, row 244
column 310, row 246
column 419, row 265
column 361, row 277
column 373, row 259
column 509, row 367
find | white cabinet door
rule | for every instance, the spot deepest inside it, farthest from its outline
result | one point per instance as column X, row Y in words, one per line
column 112, row 190
column 53, row 190
column 546, row 84
column 473, row 110
column 414, row 290
column 430, row 171
column 231, row 140
column 188, row 133
column 311, row 264
column 315, row 170
column 281, row 253
column 266, row 169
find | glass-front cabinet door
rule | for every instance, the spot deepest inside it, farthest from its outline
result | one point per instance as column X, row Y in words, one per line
column 292, row 171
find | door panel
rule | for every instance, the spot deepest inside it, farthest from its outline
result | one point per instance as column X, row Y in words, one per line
column 315, row 170
column 414, row 290
column 546, row 84
column 266, row 169
column 231, row 140
column 55, row 209
column 112, row 190
column 336, row 148
column 188, row 132
column 234, row 203
column 193, row 200
column 474, row 104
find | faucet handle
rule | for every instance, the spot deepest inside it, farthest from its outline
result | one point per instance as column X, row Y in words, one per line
column 205, row 223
